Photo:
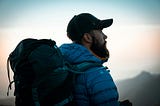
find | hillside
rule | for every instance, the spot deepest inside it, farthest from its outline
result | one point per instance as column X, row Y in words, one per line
column 7, row 101
column 142, row 90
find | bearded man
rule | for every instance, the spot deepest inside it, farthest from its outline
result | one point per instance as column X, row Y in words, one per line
column 95, row 86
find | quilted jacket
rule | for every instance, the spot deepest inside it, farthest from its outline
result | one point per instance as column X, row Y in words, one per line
column 95, row 87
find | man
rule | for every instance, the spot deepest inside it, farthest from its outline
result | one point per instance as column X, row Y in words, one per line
column 95, row 86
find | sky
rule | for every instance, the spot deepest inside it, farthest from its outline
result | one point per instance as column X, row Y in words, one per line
column 133, row 39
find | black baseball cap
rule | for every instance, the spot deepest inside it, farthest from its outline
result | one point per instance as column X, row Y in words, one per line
column 84, row 23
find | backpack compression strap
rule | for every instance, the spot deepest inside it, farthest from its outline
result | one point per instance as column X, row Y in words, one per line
column 8, row 71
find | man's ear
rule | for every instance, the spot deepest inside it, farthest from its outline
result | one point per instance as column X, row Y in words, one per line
column 87, row 38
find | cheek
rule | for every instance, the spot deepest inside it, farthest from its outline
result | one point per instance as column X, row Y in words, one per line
column 101, row 41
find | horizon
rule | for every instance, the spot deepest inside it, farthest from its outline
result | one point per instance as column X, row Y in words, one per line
column 133, row 39
column 141, row 77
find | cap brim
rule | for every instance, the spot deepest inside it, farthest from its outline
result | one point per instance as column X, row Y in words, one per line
column 105, row 23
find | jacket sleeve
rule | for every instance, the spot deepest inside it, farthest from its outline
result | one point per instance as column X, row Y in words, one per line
column 96, row 87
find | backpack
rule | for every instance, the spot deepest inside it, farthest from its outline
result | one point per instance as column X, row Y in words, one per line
column 42, row 76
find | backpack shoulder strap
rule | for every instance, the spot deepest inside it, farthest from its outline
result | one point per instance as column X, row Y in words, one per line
column 82, row 67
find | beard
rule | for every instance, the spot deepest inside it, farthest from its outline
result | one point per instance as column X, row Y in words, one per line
column 100, row 50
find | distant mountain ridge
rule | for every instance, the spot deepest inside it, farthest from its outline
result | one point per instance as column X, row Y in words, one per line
column 8, row 101
column 142, row 90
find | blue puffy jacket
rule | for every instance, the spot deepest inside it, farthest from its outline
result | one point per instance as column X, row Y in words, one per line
column 95, row 86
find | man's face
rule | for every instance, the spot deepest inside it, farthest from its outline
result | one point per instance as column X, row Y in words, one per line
column 99, row 44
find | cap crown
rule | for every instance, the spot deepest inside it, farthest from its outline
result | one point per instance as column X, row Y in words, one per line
column 81, row 24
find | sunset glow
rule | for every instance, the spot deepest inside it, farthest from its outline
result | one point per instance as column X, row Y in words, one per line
column 133, row 39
